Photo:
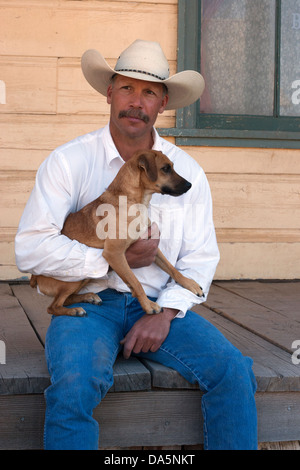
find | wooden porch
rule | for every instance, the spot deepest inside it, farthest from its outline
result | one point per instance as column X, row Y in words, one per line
column 150, row 405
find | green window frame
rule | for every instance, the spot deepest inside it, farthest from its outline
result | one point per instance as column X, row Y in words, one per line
column 193, row 128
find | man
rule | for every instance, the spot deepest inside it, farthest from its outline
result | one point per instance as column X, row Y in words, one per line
column 81, row 351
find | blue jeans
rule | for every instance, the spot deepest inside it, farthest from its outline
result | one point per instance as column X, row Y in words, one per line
column 80, row 353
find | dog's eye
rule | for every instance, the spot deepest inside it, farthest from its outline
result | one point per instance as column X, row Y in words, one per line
column 166, row 168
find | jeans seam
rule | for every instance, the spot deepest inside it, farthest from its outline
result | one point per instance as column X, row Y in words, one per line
column 44, row 434
column 203, row 385
column 205, row 431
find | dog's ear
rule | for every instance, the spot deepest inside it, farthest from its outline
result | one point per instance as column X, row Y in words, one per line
column 146, row 162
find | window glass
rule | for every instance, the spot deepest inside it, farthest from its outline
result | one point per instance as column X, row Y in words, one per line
column 238, row 56
column 290, row 58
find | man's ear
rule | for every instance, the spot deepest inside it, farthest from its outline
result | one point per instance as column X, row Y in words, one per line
column 147, row 163
column 108, row 94
column 163, row 104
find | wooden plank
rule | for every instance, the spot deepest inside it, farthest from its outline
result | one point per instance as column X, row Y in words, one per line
column 165, row 377
column 259, row 261
column 258, row 235
column 150, row 418
column 250, row 201
column 22, row 159
column 22, row 422
column 15, row 189
column 67, row 29
column 289, row 445
column 282, row 297
column 35, row 306
column 278, row 416
column 153, row 418
column 265, row 322
column 246, row 160
column 30, row 84
column 128, row 374
column 25, row 370
column 10, row 272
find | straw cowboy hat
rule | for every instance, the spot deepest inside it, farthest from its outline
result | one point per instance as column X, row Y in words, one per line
column 144, row 60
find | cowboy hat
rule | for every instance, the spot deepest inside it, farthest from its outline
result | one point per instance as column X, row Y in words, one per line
column 144, row 60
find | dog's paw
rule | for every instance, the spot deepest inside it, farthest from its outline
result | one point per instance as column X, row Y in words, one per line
column 201, row 292
column 194, row 287
column 79, row 312
column 93, row 299
column 153, row 308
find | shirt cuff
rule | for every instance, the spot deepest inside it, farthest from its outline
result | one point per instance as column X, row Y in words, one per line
column 95, row 265
column 178, row 298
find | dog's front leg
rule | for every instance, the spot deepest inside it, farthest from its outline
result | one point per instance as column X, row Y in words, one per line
column 185, row 282
column 114, row 253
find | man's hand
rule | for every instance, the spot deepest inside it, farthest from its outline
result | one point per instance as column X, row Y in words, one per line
column 143, row 252
column 148, row 333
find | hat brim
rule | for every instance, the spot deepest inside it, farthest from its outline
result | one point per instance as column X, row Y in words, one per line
column 184, row 88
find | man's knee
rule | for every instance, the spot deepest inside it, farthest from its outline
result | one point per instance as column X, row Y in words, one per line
column 76, row 391
column 239, row 372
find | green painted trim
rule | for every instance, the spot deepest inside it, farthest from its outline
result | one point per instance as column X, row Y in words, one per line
column 245, row 143
column 187, row 57
column 233, row 138
column 230, row 133
column 249, row 123
column 277, row 59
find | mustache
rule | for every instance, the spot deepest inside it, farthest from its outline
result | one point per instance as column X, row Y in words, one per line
column 134, row 113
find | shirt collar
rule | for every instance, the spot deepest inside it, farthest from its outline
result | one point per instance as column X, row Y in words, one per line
column 156, row 140
column 111, row 152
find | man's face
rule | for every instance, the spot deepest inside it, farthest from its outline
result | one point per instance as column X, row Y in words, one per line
column 135, row 105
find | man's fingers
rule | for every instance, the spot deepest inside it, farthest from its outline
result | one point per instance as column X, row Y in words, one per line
column 136, row 345
column 129, row 343
column 151, row 232
column 154, row 231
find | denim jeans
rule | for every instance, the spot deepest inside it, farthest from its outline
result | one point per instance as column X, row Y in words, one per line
column 80, row 354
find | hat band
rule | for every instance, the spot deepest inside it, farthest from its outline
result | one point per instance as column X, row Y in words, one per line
column 141, row 71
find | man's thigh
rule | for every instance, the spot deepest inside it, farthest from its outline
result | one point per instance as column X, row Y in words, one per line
column 196, row 349
column 86, row 345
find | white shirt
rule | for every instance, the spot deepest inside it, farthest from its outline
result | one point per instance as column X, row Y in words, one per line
column 75, row 174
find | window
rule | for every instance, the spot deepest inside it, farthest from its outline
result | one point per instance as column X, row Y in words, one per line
column 249, row 54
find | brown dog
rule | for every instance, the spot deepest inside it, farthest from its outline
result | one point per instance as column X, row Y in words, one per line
column 147, row 172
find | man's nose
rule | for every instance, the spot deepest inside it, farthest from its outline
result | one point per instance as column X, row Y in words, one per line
column 137, row 99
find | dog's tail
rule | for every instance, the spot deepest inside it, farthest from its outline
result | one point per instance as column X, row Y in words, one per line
column 33, row 281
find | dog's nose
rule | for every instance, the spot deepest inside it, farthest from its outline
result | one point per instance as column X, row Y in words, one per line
column 188, row 185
